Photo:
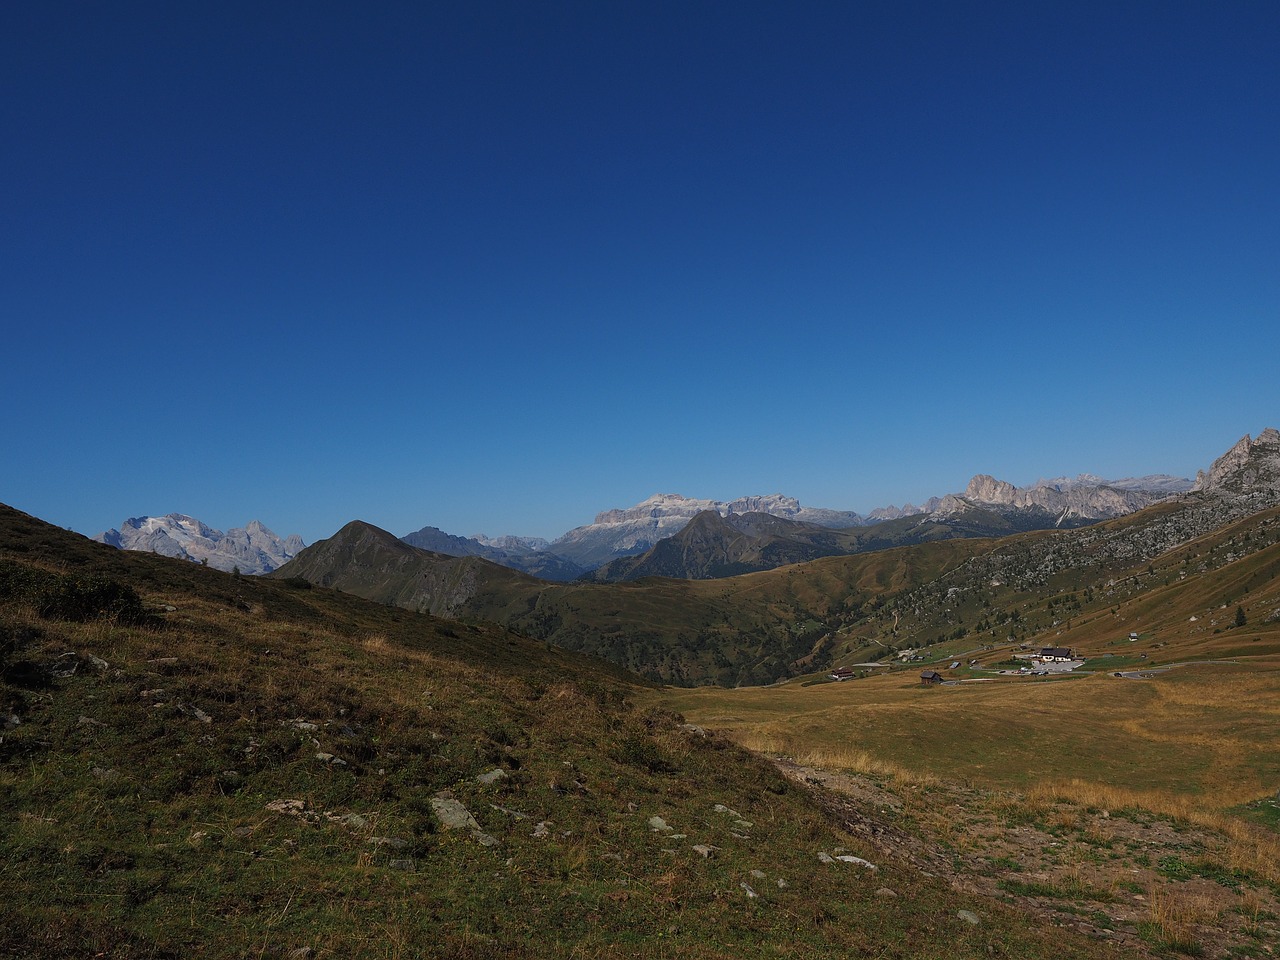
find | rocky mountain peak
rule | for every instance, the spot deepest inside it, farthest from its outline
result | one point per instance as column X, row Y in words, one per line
column 633, row 530
column 658, row 506
column 986, row 489
column 512, row 543
column 251, row 549
column 1070, row 503
column 950, row 505
column 775, row 504
column 892, row 512
column 1249, row 465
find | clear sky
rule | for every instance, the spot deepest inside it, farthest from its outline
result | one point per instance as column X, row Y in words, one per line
column 496, row 266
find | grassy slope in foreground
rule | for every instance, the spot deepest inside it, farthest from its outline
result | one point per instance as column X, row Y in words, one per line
column 270, row 769
column 1145, row 808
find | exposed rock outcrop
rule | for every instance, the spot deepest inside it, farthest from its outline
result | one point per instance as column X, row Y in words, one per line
column 251, row 549
column 1073, row 505
column 633, row 530
column 1249, row 465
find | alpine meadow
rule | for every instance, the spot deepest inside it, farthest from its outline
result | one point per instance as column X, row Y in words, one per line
column 1054, row 743
column 681, row 480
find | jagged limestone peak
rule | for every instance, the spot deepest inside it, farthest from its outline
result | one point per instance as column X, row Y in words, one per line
column 1248, row 466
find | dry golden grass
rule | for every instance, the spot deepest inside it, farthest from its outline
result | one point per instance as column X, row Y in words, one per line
column 1211, row 732
column 1189, row 745
column 849, row 760
column 1099, row 834
column 1249, row 849
column 1175, row 917
column 375, row 643
column 1064, row 820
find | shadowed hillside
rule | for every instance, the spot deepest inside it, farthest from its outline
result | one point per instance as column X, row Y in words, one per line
column 742, row 630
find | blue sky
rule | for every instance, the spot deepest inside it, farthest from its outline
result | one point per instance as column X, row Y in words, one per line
column 494, row 267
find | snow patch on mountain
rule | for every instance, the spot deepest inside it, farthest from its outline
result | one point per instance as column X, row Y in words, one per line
column 632, row 530
column 512, row 544
column 252, row 549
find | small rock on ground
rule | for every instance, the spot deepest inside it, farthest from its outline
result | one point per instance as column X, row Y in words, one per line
column 453, row 815
column 848, row 858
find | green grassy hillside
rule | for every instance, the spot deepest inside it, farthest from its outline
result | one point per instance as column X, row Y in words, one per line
column 1090, row 589
column 198, row 765
column 949, row 597
column 756, row 628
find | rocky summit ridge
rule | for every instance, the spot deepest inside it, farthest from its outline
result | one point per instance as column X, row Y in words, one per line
column 1155, row 482
column 251, row 549
column 617, row 533
column 1070, row 505
column 1249, row 465
column 668, row 505
column 633, row 530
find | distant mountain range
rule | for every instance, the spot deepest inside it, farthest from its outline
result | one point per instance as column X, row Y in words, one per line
column 601, row 549
column 621, row 533
column 1052, row 506
column 744, row 541
column 251, row 549
column 526, row 554
column 680, row 626
column 1156, row 483
column 713, row 546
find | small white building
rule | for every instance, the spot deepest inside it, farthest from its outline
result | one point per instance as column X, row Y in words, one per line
column 1056, row 654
